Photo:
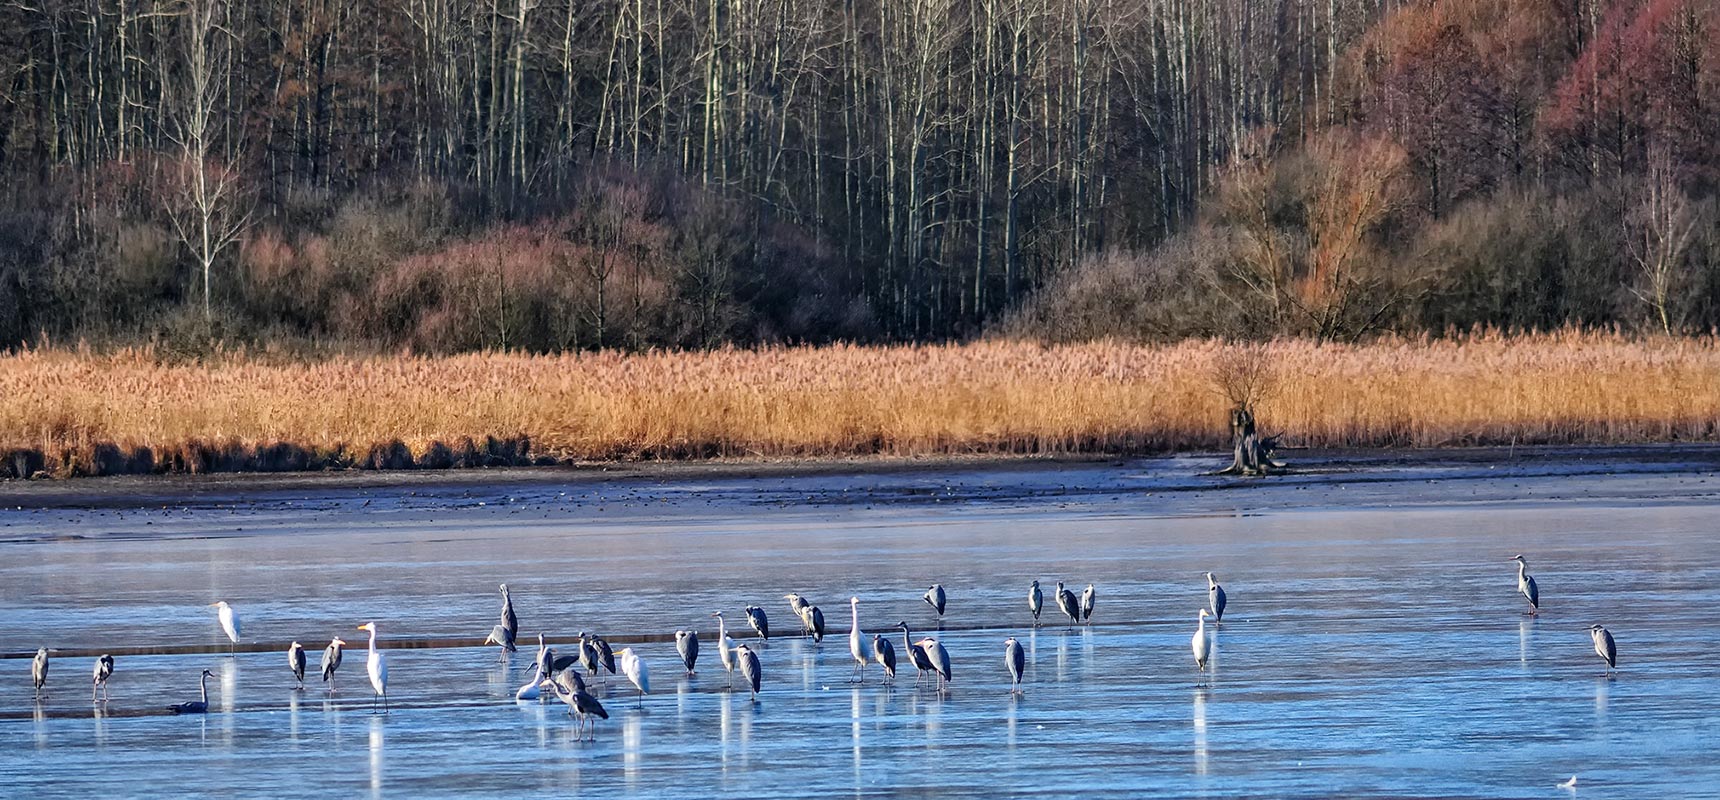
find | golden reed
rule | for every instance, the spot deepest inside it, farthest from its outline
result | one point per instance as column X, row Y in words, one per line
column 69, row 413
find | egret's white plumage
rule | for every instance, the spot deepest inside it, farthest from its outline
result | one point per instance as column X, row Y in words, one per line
column 857, row 639
column 229, row 622
column 377, row 666
column 1201, row 644
column 634, row 668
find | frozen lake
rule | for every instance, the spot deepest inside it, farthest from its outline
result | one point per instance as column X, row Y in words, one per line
column 1374, row 644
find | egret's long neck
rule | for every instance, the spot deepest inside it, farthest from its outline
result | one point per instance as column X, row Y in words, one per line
column 722, row 630
column 855, row 610
column 373, row 640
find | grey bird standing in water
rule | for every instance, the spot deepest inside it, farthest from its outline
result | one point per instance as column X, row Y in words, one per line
column 1604, row 647
column 578, row 701
column 196, row 706
column 1035, row 601
column 1087, row 604
column 1215, row 598
column 759, row 622
column 1067, row 603
column 1526, row 585
column 885, row 654
column 935, row 598
column 506, row 633
column 687, row 644
column 296, row 660
column 103, row 671
column 1016, row 661
column 39, row 671
column 916, row 654
column 331, row 661
column 939, row 658
column 749, row 668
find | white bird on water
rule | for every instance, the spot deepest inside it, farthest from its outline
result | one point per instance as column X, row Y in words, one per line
column 229, row 623
column 1570, row 784
column 377, row 665
column 857, row 640
column 725, row 648
column 1202, row 646
column 634, row 668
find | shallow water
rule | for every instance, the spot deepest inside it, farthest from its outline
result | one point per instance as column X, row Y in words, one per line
column 1373, row 644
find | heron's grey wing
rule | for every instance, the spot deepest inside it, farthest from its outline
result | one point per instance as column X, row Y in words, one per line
column 1533, row 591
column 1218, row 602
column 1611, row 649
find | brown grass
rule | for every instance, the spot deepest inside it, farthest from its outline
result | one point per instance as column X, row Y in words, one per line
column 68, row 413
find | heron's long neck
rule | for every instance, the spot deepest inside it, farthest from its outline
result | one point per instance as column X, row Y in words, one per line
column 722, row 630
column 855, row 610
column 372, row 640
column 203, row 688
column 1522, row 569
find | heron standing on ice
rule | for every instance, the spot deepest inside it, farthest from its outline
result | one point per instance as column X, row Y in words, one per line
column 1035, row 601
column 1087, row 604
column 687, row 644
column 1016, row 661
column 296, row 660
column 1067, row 603
column 103, row 671
column 1604, row 647
column 331, row 661
column 1215, row 598
column 749, row 668
column 935, row 598
column 1526, row 585
column 39, row 671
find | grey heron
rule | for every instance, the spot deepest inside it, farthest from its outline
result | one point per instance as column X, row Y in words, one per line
column 229, row 624
column 510, row 622
column 1201, row 645
column 605, row 656
column 331, row 660
column 856, row 640
column 196, row 706
column 1035, row 601
column 296, row 660
column 800, row 607
column 916, row 654
column 103, row 671
column 1215, row 598
column 938, row 658
column 1526, row 585
column 39, row 671
column 885, row 654
column 1604, row 647
column 1016, row 661
column 1087, row 604
column 377, row 666
column 588, row 655
column 759, row 622
column 578, row 702
column 554, row 666
column 749, row 668
column 687, row 644
column 936, row 598
column 1067, row 603
column 815, row 623
column 634, row 668
column 725, row 648
column 500, row 636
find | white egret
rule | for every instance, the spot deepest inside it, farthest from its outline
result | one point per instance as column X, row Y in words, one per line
column 856, row 640
column 1201, row 645
column 725, row 648
column 530, row 690
column 636, row 671
column 229, row 623
column 39, row 671
column 377, row 665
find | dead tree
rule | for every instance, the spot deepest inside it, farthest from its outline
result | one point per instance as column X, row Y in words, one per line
column 1253, row 452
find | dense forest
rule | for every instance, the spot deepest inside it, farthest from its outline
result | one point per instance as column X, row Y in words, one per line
column 568, row 174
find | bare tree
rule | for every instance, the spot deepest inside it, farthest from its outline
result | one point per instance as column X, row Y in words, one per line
column 206, row 198
column 1661, row 230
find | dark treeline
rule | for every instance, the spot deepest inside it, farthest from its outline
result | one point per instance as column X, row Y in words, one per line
column 549, row 174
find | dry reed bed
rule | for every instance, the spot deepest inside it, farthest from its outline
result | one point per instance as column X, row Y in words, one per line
column 69, row 413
